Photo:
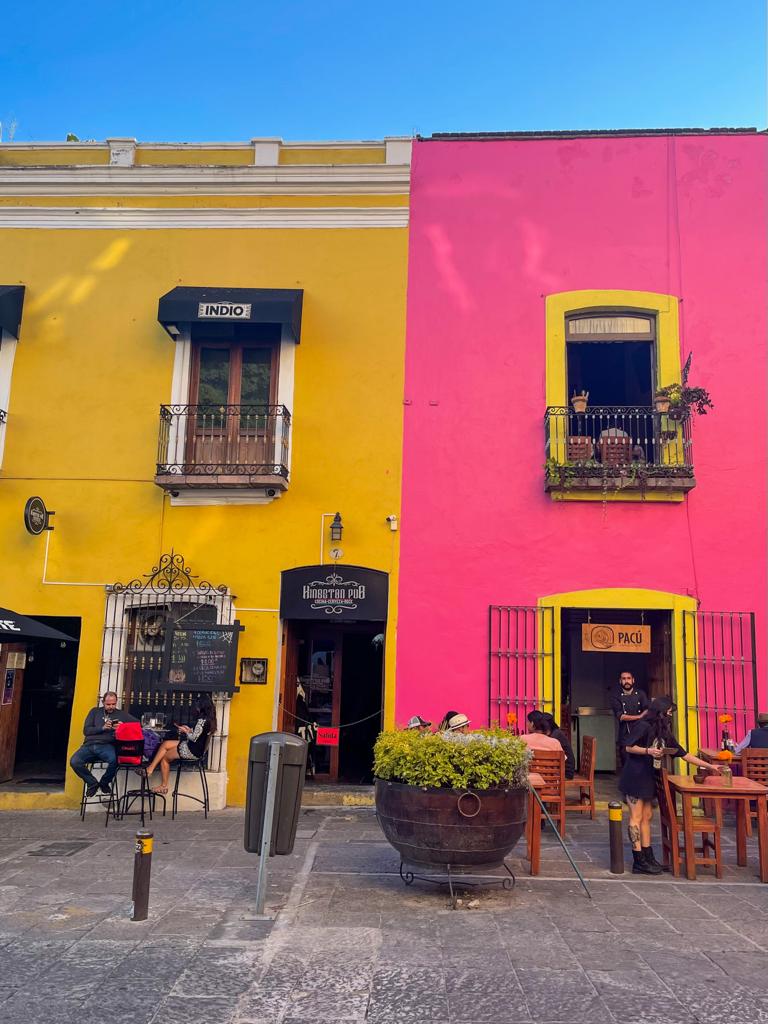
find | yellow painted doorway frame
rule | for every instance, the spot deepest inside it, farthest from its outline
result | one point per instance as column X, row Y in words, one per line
column 683, row 645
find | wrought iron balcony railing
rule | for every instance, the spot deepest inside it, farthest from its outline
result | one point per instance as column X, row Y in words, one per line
column 3, row 415
column 223, row 446
column 630, row 445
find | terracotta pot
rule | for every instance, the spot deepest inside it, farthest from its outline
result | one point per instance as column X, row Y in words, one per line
column 662, row 403
column 579, row 403
column 463, row 828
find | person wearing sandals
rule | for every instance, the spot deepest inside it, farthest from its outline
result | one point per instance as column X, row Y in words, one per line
column 189, row 747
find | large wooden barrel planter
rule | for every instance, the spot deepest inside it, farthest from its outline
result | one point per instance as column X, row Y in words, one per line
column 451, row 827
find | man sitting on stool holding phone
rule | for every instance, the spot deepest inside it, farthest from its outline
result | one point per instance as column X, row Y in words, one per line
column 99, row 745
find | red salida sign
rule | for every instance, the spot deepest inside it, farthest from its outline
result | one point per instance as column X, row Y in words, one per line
column 328, row 736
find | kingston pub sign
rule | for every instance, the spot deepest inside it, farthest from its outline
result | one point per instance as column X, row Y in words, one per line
column 334, row 593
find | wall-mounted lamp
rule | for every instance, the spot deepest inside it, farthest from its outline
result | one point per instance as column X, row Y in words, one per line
column 337, row 527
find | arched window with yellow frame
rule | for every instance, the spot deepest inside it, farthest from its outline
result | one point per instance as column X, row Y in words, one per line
column 608, row 352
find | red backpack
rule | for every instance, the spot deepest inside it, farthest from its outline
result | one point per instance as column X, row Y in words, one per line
column 129, row 742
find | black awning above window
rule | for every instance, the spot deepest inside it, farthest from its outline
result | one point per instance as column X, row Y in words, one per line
column 232, row 305
column 11, row 303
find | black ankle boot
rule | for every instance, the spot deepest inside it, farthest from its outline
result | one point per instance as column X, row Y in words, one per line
column 641, row 865
column 650, row 858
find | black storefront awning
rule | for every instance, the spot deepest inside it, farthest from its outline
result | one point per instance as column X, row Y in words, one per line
column 232, row 305
column 11, row 303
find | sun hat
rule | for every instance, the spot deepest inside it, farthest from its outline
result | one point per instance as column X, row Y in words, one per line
column 457, row 722
column 417, row 722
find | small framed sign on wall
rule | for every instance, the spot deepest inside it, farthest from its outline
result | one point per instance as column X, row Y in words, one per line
column 253, row 670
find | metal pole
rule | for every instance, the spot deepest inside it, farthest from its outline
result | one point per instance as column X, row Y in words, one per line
column 560, row 840
column 266, row 829
column 142, row 868
column 615, row 817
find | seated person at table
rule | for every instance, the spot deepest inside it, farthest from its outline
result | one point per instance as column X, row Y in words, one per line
column 553, row 729
column 537, row 737
column 756, row 739
column 99, row 732
column 189, row 747
column 445, row 720
column 649, row 741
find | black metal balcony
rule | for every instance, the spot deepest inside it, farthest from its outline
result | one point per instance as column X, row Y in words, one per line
column 610, row 448
column 3, row 415
column 241, row 446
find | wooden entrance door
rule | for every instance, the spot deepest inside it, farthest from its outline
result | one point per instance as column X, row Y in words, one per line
column 11, row 682
column 233, row 386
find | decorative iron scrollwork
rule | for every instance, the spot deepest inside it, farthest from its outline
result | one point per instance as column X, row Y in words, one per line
column 171, row 575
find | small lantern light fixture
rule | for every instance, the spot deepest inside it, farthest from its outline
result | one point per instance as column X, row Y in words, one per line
column 337, row 527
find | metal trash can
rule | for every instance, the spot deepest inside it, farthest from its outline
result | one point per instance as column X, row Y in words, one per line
column 291, row 770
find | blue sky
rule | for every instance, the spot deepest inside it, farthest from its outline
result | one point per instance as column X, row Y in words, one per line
column 230, row 70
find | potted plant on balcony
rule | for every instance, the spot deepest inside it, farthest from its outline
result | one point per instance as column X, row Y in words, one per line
column 579, row 401
column 451, row 799
column 683, row 399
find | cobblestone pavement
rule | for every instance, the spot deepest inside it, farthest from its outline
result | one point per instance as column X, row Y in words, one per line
column 351, row 942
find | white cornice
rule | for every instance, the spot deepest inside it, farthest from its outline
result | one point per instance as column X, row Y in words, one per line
column 292, row 179
column 122, row 219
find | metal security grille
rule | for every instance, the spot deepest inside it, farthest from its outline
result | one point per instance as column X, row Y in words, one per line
column 521, row 673
column 137, row 617
column 720, row 673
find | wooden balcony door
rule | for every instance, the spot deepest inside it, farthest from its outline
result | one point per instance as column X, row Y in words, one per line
column 227, row 374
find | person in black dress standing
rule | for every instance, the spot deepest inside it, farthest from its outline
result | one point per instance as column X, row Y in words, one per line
column 649, row 740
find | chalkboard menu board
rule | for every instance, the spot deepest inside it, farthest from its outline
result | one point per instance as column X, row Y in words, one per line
column 200, row 657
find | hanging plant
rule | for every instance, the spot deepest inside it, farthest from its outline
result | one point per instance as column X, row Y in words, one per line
column 683, row 398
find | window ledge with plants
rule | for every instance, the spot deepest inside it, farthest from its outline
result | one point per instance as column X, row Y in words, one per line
column 607, row 450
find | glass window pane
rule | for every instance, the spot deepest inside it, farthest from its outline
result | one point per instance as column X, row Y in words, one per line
column 255, row 382
column 610, row 325
column 213, row 388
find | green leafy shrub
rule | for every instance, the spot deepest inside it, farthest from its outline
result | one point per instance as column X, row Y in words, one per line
column 475, row 760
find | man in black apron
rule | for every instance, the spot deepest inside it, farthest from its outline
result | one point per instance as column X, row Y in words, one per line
column 629, row 706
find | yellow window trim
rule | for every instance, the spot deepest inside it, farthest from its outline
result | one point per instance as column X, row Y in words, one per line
column 637, row 599
column 664, row 307
column 668, row 368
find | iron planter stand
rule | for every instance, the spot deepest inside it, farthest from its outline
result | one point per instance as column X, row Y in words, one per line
column 460, row 879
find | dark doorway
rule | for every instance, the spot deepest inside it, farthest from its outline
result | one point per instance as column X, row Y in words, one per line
column 334, row 679
column 590, row 679
column 361, row 700
column 618, row 373
column 46, row 706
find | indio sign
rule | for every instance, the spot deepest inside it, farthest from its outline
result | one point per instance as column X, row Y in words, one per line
column 618, row 638
column 224, row 311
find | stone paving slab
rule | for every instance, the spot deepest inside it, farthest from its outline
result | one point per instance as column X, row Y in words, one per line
column 346, row 940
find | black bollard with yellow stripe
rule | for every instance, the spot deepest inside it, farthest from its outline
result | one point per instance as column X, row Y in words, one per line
column 142, row 868
column 615, row 817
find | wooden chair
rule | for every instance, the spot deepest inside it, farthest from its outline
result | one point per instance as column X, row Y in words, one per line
column 550, row 764
column 584, row 779
column 672, row 839
column 754, row 765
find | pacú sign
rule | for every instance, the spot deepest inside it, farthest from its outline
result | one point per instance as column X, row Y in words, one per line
column 618, row 638
column 224, row 311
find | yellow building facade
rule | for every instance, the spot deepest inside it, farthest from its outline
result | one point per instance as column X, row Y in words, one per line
column 208, row 367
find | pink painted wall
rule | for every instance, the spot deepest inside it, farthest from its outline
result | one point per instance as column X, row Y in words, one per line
column 496, row 226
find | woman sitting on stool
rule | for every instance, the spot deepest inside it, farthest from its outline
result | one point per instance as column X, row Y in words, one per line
column 190, row 747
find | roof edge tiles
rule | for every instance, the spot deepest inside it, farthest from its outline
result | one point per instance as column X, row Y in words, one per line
column 586, row 134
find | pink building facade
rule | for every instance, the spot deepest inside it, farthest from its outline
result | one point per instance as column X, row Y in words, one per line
column 545, row 550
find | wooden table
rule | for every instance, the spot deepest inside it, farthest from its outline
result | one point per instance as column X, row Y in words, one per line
column 534, row 823
column 742, row 792
column 710, row 754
